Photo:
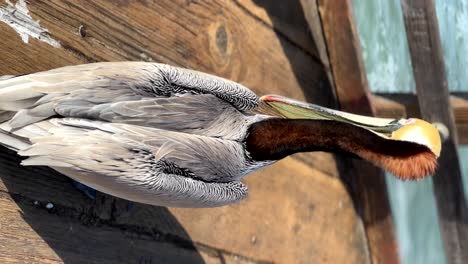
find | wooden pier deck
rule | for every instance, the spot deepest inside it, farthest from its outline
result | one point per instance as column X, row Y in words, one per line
column 298, row 211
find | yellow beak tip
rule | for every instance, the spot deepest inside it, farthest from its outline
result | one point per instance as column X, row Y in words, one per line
column 422, row 132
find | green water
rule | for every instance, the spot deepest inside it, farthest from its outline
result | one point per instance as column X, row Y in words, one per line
column 386, row 58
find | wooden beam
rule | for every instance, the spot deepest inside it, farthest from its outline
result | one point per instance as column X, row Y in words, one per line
column 32, row 234
column 406, row 105
column 431, row 84
column 285, row 18
column 312, row 15
column 366, row 182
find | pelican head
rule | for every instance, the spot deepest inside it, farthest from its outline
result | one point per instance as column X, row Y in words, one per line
column 408, row 148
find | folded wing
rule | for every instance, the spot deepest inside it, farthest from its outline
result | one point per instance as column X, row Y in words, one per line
column 141, row 164
column 82, row 89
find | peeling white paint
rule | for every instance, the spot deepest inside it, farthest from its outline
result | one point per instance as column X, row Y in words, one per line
column 17, row 17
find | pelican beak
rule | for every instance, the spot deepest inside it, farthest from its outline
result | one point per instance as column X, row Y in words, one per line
column 412, row 129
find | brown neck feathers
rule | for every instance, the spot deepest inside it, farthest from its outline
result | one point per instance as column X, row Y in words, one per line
column 274, row 139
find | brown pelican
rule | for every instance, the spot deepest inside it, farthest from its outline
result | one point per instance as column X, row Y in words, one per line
column 163, row 135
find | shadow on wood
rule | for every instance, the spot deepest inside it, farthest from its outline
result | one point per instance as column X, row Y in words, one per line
column 93, row 230
column 290, row 26
column 288, row 22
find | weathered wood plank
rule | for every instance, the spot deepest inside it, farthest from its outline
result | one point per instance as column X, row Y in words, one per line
column 389, row 108
column 312, row 15
column 366, row 182
column 431, row 85
column 32, row 234
column 297, row 21
column 289, row 22
column 286, row 217
column 286, row 18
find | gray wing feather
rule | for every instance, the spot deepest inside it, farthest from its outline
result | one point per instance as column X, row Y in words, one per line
column 84, row 86
column 203, row 114
column 124, row 160
column 236, row 94
column 152, row 112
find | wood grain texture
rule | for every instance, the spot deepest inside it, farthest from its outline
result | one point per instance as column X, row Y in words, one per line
column 386, row 107
column 65, row 240
column 431, row 85
column 312, row 15
column 298, row 21
column 366, row 182
column 293, row 210
column 285, row 18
